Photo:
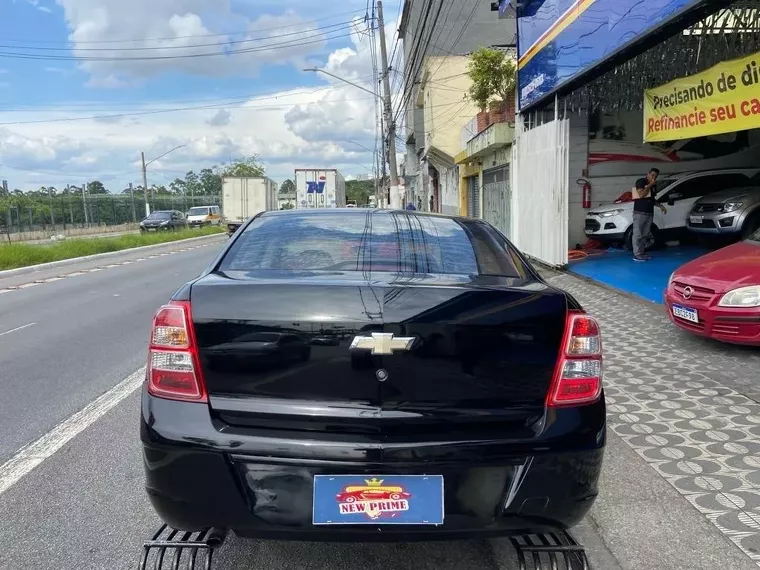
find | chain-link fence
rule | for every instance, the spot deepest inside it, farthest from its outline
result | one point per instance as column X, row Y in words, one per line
column 64, row 211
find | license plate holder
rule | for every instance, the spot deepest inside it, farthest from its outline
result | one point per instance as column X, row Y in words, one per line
column 686, row 313
column 696, row 219
column 378, row 500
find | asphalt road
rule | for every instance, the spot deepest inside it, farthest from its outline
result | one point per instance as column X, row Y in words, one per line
column 63, row 343
column 66, row 342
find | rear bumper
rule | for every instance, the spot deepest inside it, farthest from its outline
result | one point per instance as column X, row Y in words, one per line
column 259, row 484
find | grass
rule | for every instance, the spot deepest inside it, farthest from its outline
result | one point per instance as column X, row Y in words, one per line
column 13, row 255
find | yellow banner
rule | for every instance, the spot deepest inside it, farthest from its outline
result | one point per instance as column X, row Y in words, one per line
column 723, row 99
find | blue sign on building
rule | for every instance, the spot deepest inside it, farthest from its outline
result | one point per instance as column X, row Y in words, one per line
column 560, row 39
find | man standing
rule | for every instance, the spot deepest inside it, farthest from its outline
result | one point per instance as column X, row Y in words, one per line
column 643, row 212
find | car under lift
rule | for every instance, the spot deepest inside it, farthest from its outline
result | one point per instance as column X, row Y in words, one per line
column 171, row 549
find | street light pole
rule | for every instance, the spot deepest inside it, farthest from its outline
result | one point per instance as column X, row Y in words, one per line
column 145, row 184
column 145, row 174
column 388, row 112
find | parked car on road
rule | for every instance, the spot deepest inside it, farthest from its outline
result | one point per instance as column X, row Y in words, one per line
column 200, row 216
column 455, row 366
column 718, row 295
column 613, row 223
column 164, row 220
column 733, row 212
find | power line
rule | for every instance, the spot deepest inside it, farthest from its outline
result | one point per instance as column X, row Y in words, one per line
column 216, row 35
column 338, row 25
column 416, row 70
column 266, row 47
column 221, row 100
column 159, row 111
column 410, row 62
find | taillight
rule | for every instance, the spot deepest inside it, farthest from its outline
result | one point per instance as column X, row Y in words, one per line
column 173, row 365
column 578, row 377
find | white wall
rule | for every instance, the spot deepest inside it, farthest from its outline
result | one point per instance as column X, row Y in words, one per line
column 578, row 162
column 449, row 188
column 540, row 194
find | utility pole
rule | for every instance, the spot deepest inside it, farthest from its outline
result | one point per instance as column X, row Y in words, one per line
column 84, row 204
column 50, row 199
column 145, row 184
column 395, row 198
column 132, row 196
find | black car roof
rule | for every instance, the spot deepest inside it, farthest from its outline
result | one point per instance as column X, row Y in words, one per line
column 357, row 212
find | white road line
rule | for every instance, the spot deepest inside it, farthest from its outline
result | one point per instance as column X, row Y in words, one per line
column 27, row 285
column 17, row 329
column 34, row 454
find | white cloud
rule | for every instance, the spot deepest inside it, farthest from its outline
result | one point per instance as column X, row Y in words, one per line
column 297, row 128
column 176, row 35
column 220, row 119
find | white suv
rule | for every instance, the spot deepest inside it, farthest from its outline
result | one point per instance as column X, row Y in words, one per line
column 612, row 223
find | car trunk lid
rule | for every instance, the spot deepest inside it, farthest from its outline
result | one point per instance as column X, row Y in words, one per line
column 276, row 353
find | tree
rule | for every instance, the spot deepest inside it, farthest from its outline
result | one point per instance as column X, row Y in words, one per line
column 211, row 182
column 493, row 74
column 96, row 187
column 359, row 191
column 177, row 186
column 243, row 168
column 192, row 184
column 288, row 187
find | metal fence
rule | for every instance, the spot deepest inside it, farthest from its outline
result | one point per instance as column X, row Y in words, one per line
column 30, row 214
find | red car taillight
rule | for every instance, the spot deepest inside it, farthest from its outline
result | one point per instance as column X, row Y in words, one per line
column 578, row 377
column 173, row 365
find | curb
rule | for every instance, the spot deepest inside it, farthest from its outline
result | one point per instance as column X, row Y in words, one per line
column 63, row 262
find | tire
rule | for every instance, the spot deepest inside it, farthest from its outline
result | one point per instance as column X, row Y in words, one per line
column 751, row 225
column 628, row 239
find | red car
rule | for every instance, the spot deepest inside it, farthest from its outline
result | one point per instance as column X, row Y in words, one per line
column 718, row 295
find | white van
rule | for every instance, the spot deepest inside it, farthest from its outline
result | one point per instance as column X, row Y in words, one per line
column 204, row 216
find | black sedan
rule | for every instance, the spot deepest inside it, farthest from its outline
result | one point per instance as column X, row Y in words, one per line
column 164, row 220
column 463, row 396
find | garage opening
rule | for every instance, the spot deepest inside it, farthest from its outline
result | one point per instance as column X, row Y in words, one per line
column 691, row 95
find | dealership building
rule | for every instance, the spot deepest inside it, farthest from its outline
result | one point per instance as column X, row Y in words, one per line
column 608, row 89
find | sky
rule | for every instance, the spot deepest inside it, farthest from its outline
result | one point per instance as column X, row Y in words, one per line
column 87, row 85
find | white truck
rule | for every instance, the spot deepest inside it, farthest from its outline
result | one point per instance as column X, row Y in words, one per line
column 320, row 188
column 243, row 198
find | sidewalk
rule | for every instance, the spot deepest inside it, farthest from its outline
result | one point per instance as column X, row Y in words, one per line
column 681, row 483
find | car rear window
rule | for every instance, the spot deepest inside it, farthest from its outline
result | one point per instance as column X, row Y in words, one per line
column 375, row 241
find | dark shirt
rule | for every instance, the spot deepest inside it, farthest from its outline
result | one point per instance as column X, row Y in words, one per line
column 645, row 205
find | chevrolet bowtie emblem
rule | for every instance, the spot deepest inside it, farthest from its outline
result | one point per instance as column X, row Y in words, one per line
column 382, row 343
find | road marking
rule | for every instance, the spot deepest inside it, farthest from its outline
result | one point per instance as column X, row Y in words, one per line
column 31, row 456
column 17, row 329
column 27, row 285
